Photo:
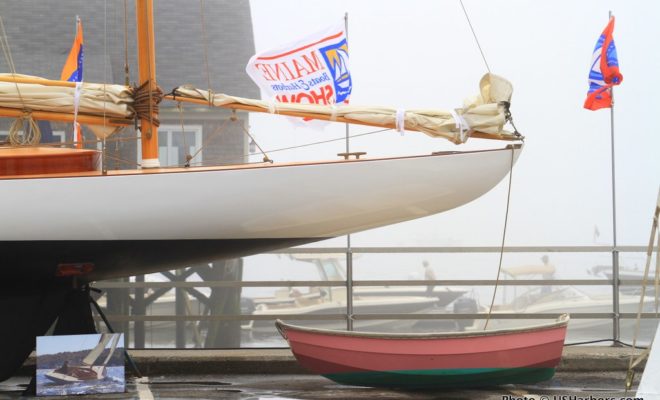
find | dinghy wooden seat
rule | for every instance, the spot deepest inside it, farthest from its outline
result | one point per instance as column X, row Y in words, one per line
column 46, row 160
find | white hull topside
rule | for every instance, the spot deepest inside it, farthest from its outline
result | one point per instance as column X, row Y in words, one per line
column 318, row 200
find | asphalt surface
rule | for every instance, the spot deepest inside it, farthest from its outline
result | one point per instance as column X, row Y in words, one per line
column 585, row 373
column 581, row 386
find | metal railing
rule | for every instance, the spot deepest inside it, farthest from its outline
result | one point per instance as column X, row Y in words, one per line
column 349, row 316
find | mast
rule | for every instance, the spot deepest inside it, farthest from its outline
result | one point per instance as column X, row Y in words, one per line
column 144, row 12
column 349, row 250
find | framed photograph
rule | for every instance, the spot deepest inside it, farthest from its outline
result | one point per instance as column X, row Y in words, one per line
column 80, row 364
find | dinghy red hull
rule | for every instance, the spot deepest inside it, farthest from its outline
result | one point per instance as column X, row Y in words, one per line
column 464, row 359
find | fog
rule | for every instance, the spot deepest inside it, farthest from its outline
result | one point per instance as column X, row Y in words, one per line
column 422, row 54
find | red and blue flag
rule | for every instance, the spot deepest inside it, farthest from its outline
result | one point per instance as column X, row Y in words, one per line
column 604, row 71
column 73, row 67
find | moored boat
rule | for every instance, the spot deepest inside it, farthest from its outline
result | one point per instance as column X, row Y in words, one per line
column 436, row 360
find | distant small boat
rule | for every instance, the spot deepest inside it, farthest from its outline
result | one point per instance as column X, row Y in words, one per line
column 437, row 360
column 559, row 299
column 332, row 300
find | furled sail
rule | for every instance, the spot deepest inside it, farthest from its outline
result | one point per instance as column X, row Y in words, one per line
column 485, row 113
column 29, row 94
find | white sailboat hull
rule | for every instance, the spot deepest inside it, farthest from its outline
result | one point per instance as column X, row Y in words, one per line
column 294, row 201
column 130, row 223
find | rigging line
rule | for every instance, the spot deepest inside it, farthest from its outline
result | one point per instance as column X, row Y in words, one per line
column 92, row 142
column 127, row 76
column 247, row 132
column 216, row 131
column 206, row 50
column 183, row 132
column 476, row 39
column 123, row 160
column 105, row 79
column 506, row 220
column 343, row 138
column 112, row 139
column 10, row 60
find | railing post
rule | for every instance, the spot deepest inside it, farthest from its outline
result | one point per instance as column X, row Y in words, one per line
column 349, row 284
column 180, row 307
column 616, row 326
column 139, row 308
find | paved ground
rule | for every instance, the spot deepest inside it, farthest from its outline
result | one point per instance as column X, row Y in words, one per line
column 592, row 386
column 585, row 373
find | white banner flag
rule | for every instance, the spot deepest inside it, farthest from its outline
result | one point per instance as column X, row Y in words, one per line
column 310, row 71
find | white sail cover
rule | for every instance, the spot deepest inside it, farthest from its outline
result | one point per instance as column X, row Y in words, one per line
column 482, row 113
column 113, row 101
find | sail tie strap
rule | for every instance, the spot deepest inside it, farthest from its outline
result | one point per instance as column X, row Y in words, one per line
column 462, row 127
column 400, row 121
column 333, row 113
column 272, row 108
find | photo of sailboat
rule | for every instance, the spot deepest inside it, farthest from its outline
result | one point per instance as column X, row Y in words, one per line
column 66, row 365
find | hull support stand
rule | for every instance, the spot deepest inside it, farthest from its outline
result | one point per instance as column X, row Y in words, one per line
column 98, row 309
column 74, row 318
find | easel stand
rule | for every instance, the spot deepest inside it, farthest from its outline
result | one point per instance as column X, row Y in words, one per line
column 75, row 318
column 127, row 356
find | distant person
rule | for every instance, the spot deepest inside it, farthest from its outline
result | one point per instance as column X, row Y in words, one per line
column 429, row 275
column 547, row 275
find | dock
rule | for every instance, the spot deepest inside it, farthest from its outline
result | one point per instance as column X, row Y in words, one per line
column 596, row 371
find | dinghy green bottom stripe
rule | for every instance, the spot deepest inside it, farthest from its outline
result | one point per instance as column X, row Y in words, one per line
column 444, row 378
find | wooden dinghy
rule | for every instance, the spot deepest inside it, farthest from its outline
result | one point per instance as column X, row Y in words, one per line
column 436, row 360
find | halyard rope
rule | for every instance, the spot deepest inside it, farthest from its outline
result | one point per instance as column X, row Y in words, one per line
column 31, row 132
column 506, row 220
column 475, row 35
column 206, row 51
